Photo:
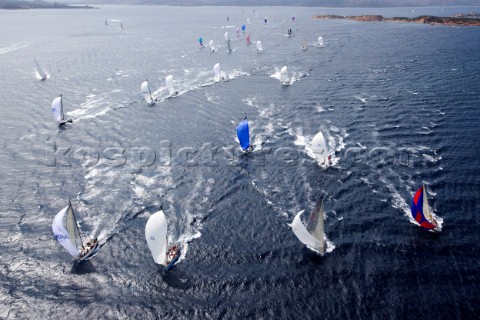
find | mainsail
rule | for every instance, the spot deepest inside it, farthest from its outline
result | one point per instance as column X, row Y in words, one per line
column 319, row 148
column 40, row 72
column 169, row 84
column 259, row 46
column 57, row 109
column 156, row 236
column 243, row 134
column 313, row 235
column 145, row 88
column 421, row 211
column 284, row 75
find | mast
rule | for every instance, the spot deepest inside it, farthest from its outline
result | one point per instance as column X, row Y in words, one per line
column 76, row 224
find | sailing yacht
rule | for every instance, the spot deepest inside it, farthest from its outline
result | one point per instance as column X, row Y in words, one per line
column 259, row 46
column 421, row 211
column 227, row 39
column 169, row 84
column 320, row 42
column 304, row 46
column 284, row 76
column 67, row 233
column 147, row 94
column 57, row 111
column 164, row 253
column 312, row 235
column 41, row 75
column 243, row 135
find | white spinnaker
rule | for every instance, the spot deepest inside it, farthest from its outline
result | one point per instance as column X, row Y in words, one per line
column 216, row 70
column 61, row 233
column 57, row 109
column 211, row 46
column 284, row 75
column 156, row 236
column 169, row 84
column 259, row 46
column 320, row 41
column 304, row 236
column 145, row 88
column 40, row 72
column 319, row 147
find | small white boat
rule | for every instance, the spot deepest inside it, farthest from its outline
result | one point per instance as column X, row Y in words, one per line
column 211, row 46
column 57, row 111
column 320, row 42
column 169, row 84
column 321, row 150
column 40, row 74
column 284, row 76
column 259, row 46
column 146, row 92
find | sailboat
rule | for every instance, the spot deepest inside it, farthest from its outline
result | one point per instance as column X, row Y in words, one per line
column 57, row 111
column 147, row 94
column 169, row 84
column 243, row 135
column 248, row 40
column 259, row 46
column 304, row 46
column 219, row 75
column 320, row 149
column 227, row 38
column 320, row 42
column 421, row 211
column 243, row 28
column 311, row 235
column 106, row 21
column 67, row 233
column 200, row 42
column 156, row 235
column 211, row 46
column 121, row 25
column 284, row 76
column 41, row 75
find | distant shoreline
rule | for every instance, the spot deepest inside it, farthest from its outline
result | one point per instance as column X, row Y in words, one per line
column 24, row 5
column 432, row 20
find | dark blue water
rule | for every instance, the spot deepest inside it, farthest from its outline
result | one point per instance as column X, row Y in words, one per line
column 397, row 102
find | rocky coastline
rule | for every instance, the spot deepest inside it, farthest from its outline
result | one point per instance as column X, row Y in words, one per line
column 432, row 20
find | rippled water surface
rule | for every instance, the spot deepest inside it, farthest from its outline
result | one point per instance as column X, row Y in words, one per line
column 397, row 103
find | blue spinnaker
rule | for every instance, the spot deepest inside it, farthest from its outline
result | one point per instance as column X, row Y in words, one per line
column 243, row 134
column 200, row 41
column 243, row 28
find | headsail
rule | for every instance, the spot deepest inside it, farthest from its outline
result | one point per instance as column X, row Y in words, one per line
column 40, row 72
column 243, row 135
column 284, row 75
column 313, row 235
column 259, row 46
column 156, row 236
column 421, row 210
column 57, row 109
column 169, row 84
column 63, row 235
column 145, row 88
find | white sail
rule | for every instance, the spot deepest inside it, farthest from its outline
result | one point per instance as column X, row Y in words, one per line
column 320, row 41
column 319, row 148
column 427, row 212
column 211, row 46
column 259, row 46
column 169, row 84
column 311, row 241
column 145, row 88
column 40, row 72
column 156, row 236
column 57, row 109
column 216, row 70
column 226, row 36
column 61, row 233
column 248, row 21
column 284, row 75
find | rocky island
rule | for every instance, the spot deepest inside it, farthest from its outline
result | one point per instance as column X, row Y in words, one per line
column 37, row 4
column 466, row 20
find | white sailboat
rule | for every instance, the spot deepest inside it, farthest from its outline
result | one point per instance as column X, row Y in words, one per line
column 218, row 74
column 227, row 39
column 259, row 46
column 320, row 149
column 320, row 42
column 312, row 235
column 156, row 231
column 147, row 94
column 40, row 74
column 57, row 111
column 284, row 76
column 211, row 46
column 67, row 233
column 169, row 84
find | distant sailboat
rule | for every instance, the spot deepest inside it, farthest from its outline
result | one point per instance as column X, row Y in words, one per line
column 41, row 75
column 284, row 76
column 243, row 135
column 265, row 20
column 243, row 28
column 320, row 42
column 248, row 21
column 227, row 39
column 320, row 149
column 67, row 233
column 147, row 94
column 200, row 42
column 57, row 111
column 289, row 32
column 238, row 32
column 121, row 24
column 313, row 234
column 248, row 40
column 169, row 84
column 106, row 21
column 219, row 75
column 304, row 46
column 211, row 46
column 421, row 211
column 156, row 231
column 259, row 46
